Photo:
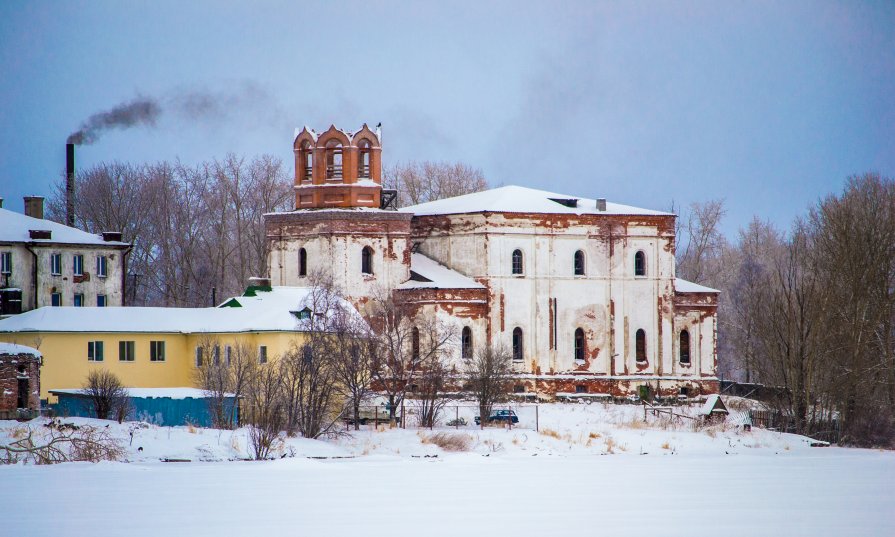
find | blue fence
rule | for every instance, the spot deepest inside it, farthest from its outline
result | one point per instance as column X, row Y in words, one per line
column 156, row 410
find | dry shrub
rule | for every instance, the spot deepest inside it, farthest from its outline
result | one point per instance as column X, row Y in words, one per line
column 551, row 433
column 95, row 445
column 593, row 435
column 633, row 423
column 611, row 444
column 666, row 445
column 449, row 441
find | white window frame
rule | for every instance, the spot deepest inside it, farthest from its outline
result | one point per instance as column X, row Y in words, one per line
column 54, row 295
column 6, row 263
column 56, row 264
column 77, row 265
column 102, row 266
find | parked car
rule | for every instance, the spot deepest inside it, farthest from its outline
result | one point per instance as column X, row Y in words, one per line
column 500, row 416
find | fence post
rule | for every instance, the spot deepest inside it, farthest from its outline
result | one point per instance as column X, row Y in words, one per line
column 403, row 416
column 537, row 428
column 376, row 418
column 457, row 417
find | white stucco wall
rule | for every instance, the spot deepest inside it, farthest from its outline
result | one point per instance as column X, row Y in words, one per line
column 64, row 283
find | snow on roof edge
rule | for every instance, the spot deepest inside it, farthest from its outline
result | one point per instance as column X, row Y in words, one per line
column 684, row 286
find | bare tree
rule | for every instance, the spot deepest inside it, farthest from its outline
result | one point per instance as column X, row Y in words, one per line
column 404, row 346
column 223, row 377
column 194, row 228
column 700, row 241
column 106, row 394
column 488, row 377
column 310, row 386
column 426, row 181
column 310, row 370
column 353, row 349
column 430, row 393
column 265, row 409
column 854, row 254
column 812, row 314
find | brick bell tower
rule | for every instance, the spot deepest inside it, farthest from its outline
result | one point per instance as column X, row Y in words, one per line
column 338, row 169
column 344, row 224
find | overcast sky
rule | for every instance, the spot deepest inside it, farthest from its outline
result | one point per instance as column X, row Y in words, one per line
column 769, row 105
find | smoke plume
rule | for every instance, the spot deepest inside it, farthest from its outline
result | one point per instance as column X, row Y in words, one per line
column 140, row 111
column 184, row 105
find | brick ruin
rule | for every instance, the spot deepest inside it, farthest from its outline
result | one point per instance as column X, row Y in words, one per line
column 19, row 381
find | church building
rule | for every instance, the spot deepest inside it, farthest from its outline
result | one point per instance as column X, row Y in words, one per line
column 582, row 290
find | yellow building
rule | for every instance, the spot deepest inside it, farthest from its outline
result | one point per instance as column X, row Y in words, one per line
column 157, row 347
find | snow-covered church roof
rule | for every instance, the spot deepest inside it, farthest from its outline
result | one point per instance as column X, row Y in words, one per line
column 16, row 227
column 427, row 273
column 518, row 199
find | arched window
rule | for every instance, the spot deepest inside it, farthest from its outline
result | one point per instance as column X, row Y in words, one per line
column 306, row 160
column 640, row 345
column 517, row 262
column 366, row 260
column 579, row 344
column 363, row 159
column 518, row 351
column 579, row 263
column 333, row 159
column 640, row 264
column 685, row 347
column 302, row 262
column 466, row 343
column 415, row 344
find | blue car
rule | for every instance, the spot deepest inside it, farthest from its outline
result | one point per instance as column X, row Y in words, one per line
column 500, row 416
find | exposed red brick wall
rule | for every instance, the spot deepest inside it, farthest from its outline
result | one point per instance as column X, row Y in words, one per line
column 12, row 367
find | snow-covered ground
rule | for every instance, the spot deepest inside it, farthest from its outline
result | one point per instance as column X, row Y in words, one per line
column 592, row 469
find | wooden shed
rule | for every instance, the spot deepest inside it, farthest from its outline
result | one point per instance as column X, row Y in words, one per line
column 714, row 410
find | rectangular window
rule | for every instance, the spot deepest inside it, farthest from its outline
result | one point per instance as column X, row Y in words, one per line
column 262, row 354
column 101, row 301
column 199, row 357
column 5, row 262
column 101, row 266
column 94, row 351
column 216, row 355
column 228, row 351
column 126, row 351
column 78, row 265
column 56, row 264
column 78, row 300
column 156, row 351
column 56, row 299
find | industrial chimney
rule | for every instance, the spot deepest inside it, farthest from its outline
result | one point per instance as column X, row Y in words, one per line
column 70, row 184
